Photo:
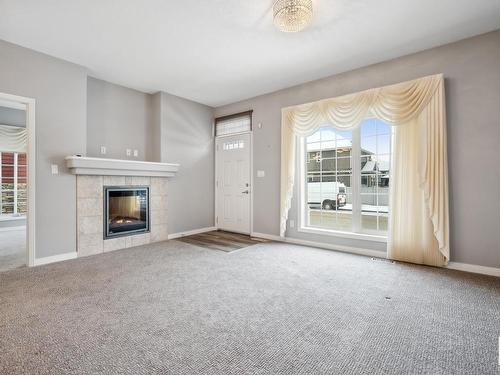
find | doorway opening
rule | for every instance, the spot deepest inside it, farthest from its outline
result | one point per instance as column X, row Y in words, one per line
column 16, row 159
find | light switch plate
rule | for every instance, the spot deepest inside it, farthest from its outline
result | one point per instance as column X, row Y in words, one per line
column 261, row 174
column 136, row 153
column 128, row 152
column 103, row 150
column 54, row 169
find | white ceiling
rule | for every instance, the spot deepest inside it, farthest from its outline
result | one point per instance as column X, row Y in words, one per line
column 221, row 51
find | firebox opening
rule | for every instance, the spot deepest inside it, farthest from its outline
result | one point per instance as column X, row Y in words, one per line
column 126, row 211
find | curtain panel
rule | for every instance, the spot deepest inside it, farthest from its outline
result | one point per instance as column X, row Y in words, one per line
column 13, row 139
column 419, row 177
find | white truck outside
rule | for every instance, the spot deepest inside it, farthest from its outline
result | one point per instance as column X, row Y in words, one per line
column 327, row 195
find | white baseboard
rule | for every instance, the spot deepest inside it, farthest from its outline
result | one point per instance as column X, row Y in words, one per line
column 55, row 258
column 342, row 248
column 270, row 237
column 472, row 268
column 190, row 232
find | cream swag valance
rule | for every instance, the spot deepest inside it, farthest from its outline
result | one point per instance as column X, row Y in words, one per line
column 13, row 138
column 417, row 104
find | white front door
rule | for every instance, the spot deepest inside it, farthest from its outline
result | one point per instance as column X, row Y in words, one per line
column 233, row 183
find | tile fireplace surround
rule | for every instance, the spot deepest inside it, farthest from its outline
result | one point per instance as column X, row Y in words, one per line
column 89, row 198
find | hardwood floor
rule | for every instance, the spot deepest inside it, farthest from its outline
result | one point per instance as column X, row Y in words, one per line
column 221, row 240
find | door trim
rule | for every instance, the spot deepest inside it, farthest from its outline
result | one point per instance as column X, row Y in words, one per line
column 30, row 125
column 216, row 171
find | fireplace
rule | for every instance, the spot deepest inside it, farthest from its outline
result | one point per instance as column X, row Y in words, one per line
column 126, row 211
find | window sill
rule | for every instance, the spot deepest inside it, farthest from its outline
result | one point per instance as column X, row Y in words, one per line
column 11, row 217
column 334, row 233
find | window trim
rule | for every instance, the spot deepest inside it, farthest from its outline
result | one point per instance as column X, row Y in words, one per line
column 235, row 115
column 340, row 234
column 355, row 186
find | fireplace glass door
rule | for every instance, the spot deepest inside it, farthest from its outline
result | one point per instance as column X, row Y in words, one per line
column 126, row 210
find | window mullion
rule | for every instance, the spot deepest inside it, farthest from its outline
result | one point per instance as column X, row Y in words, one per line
column 356, row 180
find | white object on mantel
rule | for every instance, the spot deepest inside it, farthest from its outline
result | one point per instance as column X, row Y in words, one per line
column 82, row 165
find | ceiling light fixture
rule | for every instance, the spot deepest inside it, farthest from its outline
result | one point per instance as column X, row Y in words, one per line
column 291, row 16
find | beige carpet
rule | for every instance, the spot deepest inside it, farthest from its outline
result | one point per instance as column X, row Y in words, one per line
column 173, row 308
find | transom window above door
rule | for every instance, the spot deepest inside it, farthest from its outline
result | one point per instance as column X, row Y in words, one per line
column 233, row 124
column 345, row 179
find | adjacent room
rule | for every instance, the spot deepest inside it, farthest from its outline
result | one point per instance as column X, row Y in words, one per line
column 263, row 187
column 13, row 185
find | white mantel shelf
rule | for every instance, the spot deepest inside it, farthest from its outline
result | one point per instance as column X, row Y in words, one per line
column 81, row 165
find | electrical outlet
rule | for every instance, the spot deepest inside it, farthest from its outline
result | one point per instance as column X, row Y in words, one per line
column 261, row 174
column 128, row 152
column 103, row 150
column 54, row 169
column 136, row 153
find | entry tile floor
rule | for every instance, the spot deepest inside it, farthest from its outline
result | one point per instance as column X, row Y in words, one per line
column 221, row 240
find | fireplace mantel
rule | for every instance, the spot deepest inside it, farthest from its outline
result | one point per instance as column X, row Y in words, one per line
column 81, row 165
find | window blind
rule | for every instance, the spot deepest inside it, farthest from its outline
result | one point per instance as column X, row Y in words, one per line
column 232, row 124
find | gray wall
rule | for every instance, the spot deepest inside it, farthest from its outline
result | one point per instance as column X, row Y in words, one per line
column 12, row 117
column 160, row 126
column 156, row 121
column 119, row 118
column 187, row 139
column 60, row 90
column 164, row 128
column 472, row 71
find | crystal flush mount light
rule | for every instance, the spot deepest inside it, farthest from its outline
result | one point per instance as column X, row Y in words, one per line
column 291, row 16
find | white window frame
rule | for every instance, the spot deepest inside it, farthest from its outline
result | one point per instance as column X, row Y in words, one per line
column 355, row 189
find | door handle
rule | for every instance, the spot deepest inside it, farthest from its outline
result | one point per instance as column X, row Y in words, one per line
column 245, row 192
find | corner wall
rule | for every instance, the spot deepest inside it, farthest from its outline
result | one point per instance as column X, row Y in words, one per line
column 187, row 138
column 164, row 128
column 472, row 72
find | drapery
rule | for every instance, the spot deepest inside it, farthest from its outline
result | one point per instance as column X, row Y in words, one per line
column 13, row 139
column 417, row 109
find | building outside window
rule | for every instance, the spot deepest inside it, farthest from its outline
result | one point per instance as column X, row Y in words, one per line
column 13, row 184
column 346, row 179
